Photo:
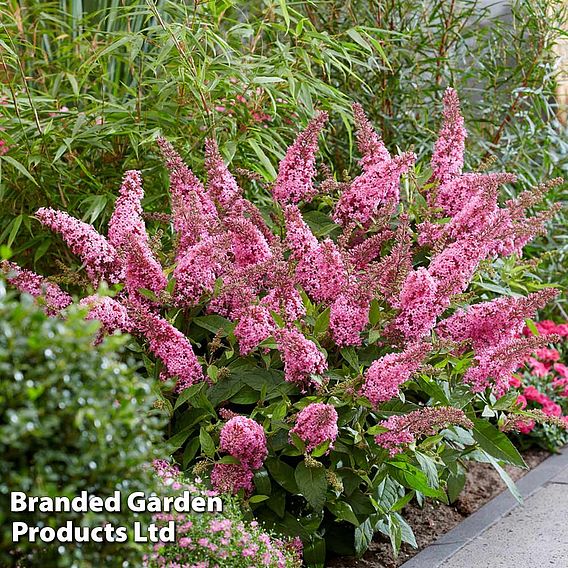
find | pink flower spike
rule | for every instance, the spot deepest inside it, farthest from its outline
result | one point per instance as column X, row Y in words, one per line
column 29, row 282
column 221, row 184
column 294, row 181
column 170, row 346
column 99, row 256
column 110, row 312
column 372, row 148
column 301, row 356
column 448, row 157
column 385, row 375
column 126, row 220
column 231, row 477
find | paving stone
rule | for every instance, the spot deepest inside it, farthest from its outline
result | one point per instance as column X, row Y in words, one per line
column 531, row 535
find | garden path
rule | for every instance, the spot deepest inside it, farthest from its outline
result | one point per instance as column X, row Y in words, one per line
column 505, row 534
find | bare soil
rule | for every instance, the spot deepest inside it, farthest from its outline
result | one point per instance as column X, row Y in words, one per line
column 433, row 520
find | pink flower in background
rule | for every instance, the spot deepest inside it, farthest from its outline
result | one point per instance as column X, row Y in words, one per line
column 244, row 439
column 301, row 356
column 561, row 369
column 538, row 368
column 29, row 282
column 515, row 382
column 385, row 376
column 231, row 477
column 547, row 354
column 448, row 157
column 296, row 171
column 551, row 408
column 526, row 427
column 521, row 402
column 316, row 424
column 533, row 394
column 110, row 312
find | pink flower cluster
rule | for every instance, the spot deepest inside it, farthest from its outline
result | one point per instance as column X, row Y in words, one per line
column 96, row 252
column 297, row 169
column 405, row 429
column 28, row 282
column 263, row 274
column 316, row 424
column 244, row 439
column 171, row 346
column 301, row 356
column 385, row 376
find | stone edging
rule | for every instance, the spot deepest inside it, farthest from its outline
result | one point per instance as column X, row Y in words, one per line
column 471, row 527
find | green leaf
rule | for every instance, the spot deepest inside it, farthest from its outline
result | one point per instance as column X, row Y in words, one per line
column 455, row 485
column 428, row 466
column 413, row 478
column 363, row 536
column 314, row 553
column 214, row 323
column 258, row 498
column 350, row 355
column 506, row 478
column 187, row 394
column 283, row 474
column 496, row 444
column 343, row 512
column 177, row 440
column 322, row 322
column 20, row 167
column 312, row 484
column 206, row 442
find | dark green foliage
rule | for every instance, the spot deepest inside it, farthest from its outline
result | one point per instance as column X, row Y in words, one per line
column 73, row 417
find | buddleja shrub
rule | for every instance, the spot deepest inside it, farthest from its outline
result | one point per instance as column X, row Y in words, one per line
column 326, row 360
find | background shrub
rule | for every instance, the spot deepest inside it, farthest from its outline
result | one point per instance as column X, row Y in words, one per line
column 73, row 417
column 87, row 87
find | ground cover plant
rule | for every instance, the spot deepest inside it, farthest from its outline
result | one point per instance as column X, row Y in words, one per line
column 220, row 539
column 338, row 356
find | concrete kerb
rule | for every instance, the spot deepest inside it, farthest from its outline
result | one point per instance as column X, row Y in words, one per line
column 471, row 527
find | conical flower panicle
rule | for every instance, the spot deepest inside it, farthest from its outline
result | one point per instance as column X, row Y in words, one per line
column 448, row 158
column 100, row 258
column 294, row 182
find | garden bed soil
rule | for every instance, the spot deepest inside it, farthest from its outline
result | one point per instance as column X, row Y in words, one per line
column 433, row 520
